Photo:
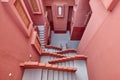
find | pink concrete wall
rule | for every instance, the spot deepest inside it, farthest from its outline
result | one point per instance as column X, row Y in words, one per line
column 101, row 43
column 81, row 10
column 15, row 47
column 60, row 24
column 38, row 19
column 50, row 2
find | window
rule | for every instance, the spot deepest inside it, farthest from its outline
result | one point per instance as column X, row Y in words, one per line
column 35, row 6
column 19, row 14
column 22, row 13
column 59, row 10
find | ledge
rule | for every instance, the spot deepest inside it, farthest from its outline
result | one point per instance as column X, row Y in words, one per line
column 52, row 54
column 53, row 47
column 36, row 65
column 77, row 57
column 67, row 51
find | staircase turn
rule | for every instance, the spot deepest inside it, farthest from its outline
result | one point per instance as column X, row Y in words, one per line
column 55, row 63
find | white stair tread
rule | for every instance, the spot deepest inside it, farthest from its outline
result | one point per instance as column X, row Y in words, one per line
column 71, row 63
column 50, row 75
column 67, row 54
column 63, row 64
column 81, row 72
column 68, row 64
column 42, row 41
column 32, row 74
column 65, row 75
column 73, row 76
column 61, row 75
column 41, row 38
column 56, row 75
column 72, row 54
column 41, row 29
column 45, row 74
column 40, row 25
column 41, row 32
column 51, row 58
column 69, row 76
column 60, row 64
column 45, row 59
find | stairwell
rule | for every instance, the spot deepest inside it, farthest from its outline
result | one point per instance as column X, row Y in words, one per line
column 55, row 64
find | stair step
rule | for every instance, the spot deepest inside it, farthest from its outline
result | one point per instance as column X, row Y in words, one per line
column 41, row 38
column 31, row 74
column 71, row 63
column 42, row 41
column 45, row 59
column 56, row 75
column 68, row 64
column 41, row 29
column 41, row 32
column 59, row 64
column 69, row 76
column 63, row 64
column 61, row 76
column 65, row 75
column 45, row 74
column 42, row 35
column 52, row 58
column 50, row 75
column 73, row 76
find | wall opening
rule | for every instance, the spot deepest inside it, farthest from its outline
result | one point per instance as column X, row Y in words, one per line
column 50, row 16
column 69, row 20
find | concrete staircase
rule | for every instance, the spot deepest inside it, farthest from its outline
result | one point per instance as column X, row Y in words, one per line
column 46, row 74
column 42, row 34
column 64, row 68
column 55, row 64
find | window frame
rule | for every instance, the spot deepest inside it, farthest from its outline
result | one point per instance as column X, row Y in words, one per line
column 10, row 6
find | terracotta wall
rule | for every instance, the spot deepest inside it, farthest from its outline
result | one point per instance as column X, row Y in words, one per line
column 50, row 16
column 80, row 12
column 14, row 47
column 101, row 42
column 50, row 2
column 38, row 19
column 60, row 23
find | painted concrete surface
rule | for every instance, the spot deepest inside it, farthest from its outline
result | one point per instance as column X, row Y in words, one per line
column 64, row 38
column 45, row 74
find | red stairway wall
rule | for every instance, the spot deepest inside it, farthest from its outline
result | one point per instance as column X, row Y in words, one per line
column 80, row 13
column 14, row 47
column 38, row 19
column 101, row 42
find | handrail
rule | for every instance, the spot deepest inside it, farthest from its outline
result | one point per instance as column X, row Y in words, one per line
column 64, row 59
column 37, row 65
column 52, row 54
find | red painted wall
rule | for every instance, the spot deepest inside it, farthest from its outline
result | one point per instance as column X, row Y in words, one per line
column 77, row 33
column 81, row 10
column 60, row 24
column 38, row 19
column 50, row 2
column 101, row 42
column 15, row 47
